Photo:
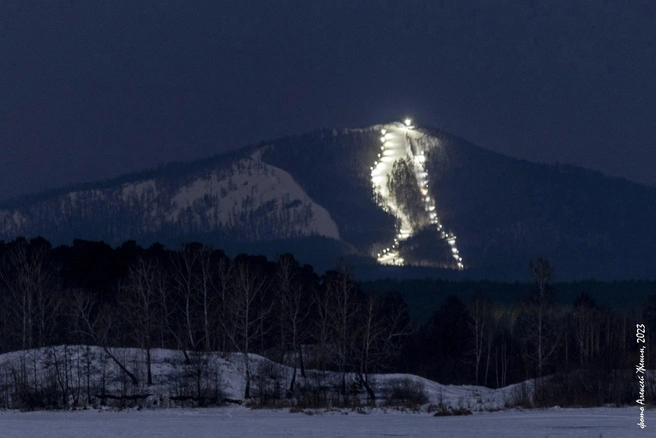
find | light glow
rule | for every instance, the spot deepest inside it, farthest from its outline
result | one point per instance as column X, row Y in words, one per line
column 398, row 142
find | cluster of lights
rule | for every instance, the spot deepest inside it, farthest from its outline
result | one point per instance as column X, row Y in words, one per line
column 429, row 205
column 390, row 255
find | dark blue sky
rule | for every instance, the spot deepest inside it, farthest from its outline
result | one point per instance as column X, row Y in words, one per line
column 93, row 89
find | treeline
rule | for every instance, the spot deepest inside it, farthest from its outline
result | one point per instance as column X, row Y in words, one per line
column 579, row 354
column 424, row 293
column 197, row 300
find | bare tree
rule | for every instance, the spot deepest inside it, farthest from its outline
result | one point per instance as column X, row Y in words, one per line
column 206, row 295
column 164, row 306
column 542, row 336
column 140, row 302
column 33, row 291
column 322, row 303
column 384, row 323
column 479, row 324
column 292, row 311
column 371, row 332
column 196, row 309
column 584, row 319
column 186, row 264
column 243, row 312
column 96, row 321
column 343, row 316
column 506, row 322
column 494, row 317
column 223, row 282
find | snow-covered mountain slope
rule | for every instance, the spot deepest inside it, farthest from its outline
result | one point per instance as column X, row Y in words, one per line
column 416, row 197
column 251, row 199
column 399, row 175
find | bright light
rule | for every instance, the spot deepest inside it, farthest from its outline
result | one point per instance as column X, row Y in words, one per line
column 392, row 148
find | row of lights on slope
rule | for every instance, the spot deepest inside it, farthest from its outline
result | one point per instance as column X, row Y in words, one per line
column 429, row 206
column 391, row 251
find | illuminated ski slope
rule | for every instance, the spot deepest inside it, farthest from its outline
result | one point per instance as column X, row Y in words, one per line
column 398, row 141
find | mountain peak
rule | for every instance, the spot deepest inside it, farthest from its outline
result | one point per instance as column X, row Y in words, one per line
column 390, row 194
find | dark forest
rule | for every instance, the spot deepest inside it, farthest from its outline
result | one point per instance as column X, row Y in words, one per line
column 198, row 300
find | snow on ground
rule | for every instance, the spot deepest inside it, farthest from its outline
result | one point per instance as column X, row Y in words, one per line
column 243, row 423
column 218, row 198
column 260, row 182
column 168, row 367
column 239, row 421
column 402, row 141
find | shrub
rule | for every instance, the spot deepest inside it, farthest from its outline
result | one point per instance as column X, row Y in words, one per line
column 406, row 392
column 520, row 396
column 452, row 412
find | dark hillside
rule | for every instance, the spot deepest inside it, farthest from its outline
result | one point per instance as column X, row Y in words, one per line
column 506, row 211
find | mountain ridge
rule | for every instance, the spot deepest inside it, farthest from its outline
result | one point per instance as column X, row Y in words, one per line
column 504, row 210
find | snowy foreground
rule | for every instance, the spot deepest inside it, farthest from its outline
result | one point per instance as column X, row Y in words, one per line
column 88, row 367
column 169, row 371
column 242, row 422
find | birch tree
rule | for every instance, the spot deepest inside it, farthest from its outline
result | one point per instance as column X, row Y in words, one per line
column 34, row 296
column 244, row 314
column 292, row 311
column 141, row 304
column 541, row 335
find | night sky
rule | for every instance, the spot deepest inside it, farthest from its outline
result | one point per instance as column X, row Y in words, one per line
column 90, row 89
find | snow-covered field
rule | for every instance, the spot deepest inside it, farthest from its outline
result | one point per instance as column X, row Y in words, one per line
column 169, row 371
column 235, row 420
column 243, row 423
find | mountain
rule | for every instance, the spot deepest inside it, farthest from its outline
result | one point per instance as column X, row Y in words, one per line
column 392, row 198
